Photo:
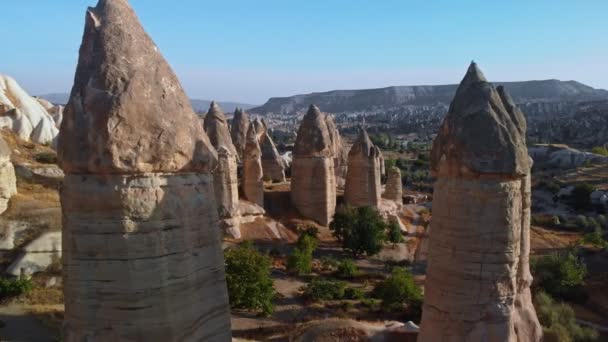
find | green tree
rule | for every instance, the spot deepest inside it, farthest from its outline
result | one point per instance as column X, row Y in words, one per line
column 399, row 290
column 319, row 289
column 359, row 230
column 394, row 232
column 300, row 260
column 248, row 279
column 559, row 322
column 347, row 269
column 559, row 274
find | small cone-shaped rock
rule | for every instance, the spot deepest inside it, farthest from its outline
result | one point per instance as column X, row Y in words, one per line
column 340, row 153
column 272, row 162
column 260, row 127
column 313, row 180
column 363, row 187
column 478, row 277
column 8, row 180
column 225, row 180
column 253, row 174
column 238, row 131
column 142, row 256
column 394, row 187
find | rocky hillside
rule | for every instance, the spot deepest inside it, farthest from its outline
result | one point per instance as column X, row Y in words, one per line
column 340, row 101
column 198, row 105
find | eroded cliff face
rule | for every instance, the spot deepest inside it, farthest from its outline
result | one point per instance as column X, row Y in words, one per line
column 313, row 179
column 142, row 257
column 478, row 279
column 273, row 164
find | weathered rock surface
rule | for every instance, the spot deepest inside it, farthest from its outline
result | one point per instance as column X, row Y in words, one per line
column 363, row 187
column 478, row 278
column 360, row 331
column 340, row 153
column 394, row 186
column 37, row 256
column 225, row 181
column 313, row 179
column 562, row 157
column 260, row 127
column 8, row 181
column 238, row 131
column 23, row 114
column 272, row 162
column 142, row 257
column 253, row 174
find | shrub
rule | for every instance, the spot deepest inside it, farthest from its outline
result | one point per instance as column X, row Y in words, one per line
column 318, row 290
column 360, row 230
column 329, row 263
column 14, row 287
column 559, row 274
column 559, row 322
column 46, row 158
column 398, row 290
column 347, row 269
column 394, row 232
column 300, row 260
column 248, row 279
column 601, row 150
column 580, row 198
column 353, row 293
column 595, row 238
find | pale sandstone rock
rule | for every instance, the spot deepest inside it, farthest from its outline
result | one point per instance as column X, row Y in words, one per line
column 478, row 279
column 394, row 186
column 24, row 114
column 562, row 157
column 8, row 181
column 56, row 111
column 226, row 183
column 250, row 211
column 260, row 127
column 142, row 257
column 363, row 187
column 272, row 162
column 340, row 153
column 238, row 130
column 313, row 179
column 37, row 256
column 253, row 175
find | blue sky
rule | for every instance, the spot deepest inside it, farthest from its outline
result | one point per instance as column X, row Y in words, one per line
column 250, row 50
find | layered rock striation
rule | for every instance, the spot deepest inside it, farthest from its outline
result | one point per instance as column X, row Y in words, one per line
column 225, row 180
column 253, row 172
column 478, row 278
column 363, row 187
column 313, row 180
column 142, row 257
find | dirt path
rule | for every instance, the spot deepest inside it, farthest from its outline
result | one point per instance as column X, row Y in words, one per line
column 18, row 324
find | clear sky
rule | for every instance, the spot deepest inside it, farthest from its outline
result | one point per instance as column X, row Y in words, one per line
column 249, row 50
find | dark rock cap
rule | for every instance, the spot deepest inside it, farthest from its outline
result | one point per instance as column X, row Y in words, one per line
column 127, row 111
column 313, row 135
column 484, row 131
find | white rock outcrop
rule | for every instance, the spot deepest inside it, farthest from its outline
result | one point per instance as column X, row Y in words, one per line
column 24, row 114
column 38, row 255
column 562, row 157
column 8, row 181
column 363, row 187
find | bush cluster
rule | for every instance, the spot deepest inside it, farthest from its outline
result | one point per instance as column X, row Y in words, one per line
column 248, row 279
column 559, row 322
column 300, row 260
column 359, row 230
column 559, row 274
column 14, row 287
column 319, row 290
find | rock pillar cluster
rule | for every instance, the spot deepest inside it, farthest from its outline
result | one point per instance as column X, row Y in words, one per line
column 8, row 181
column 478, row 279
column 363, row 187
column 225, row 181
column 272, row 162
column 142, row 257
column 313, row 181
column 394, row 186
column 238, row 130
column 253, row 181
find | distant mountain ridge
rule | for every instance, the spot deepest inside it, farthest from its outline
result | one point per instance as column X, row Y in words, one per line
column 198, row 105
column 342, row 101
